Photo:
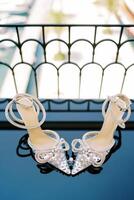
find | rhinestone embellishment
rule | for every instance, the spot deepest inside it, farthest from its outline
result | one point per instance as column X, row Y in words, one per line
column 55, row 156
column 86, row 156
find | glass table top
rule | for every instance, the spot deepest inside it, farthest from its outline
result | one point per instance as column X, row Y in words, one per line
column 20, row 178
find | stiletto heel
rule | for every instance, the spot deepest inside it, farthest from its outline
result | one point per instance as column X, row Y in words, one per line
column 94, row 146
column 47, row 146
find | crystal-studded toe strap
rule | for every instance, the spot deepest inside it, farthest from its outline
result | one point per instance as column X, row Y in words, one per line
column 55, row 156
column 45, row 155
column 88, row 155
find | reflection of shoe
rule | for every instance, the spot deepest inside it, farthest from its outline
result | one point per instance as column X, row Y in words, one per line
column 93, row 148
column 46, row 144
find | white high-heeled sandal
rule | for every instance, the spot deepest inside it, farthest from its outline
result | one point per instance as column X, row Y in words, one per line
column 54, row 155
column 86, row 154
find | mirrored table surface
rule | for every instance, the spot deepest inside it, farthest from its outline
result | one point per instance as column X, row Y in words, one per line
column 20, row 178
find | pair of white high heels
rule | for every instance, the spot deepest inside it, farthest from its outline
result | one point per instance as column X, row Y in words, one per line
column 48, row 147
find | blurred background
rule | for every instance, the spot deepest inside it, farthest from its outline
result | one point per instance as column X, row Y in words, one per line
column 56, row 76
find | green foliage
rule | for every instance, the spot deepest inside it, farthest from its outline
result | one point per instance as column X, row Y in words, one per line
column 59, row 56
column 57, row 17
column 107, row 30
column 111, row 5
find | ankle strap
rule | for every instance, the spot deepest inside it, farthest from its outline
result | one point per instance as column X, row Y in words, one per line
column 29, row 102
column 124, row 105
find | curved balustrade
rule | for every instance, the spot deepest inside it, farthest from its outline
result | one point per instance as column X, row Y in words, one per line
column 94, row 66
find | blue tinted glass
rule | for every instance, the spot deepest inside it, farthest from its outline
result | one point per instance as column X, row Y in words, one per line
column 21, row 179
